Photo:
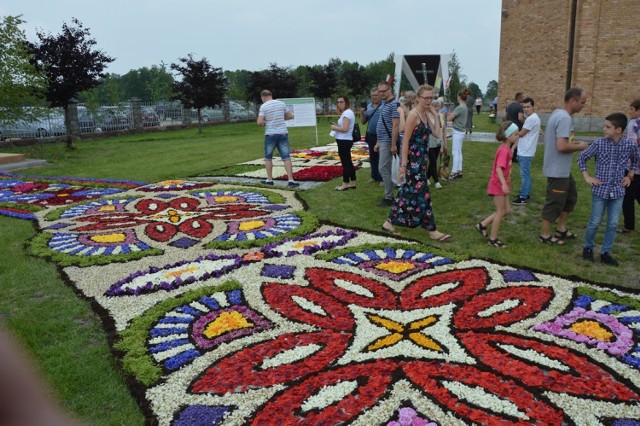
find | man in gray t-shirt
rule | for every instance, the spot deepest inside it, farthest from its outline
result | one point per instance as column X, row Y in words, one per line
column 559, row 146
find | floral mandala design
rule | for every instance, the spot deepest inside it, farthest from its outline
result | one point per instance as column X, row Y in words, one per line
column 442, row 333
column 181, row 221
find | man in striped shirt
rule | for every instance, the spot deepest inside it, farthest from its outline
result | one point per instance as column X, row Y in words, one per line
column 272, row 115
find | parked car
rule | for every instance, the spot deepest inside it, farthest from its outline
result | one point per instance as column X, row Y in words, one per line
column 212, row 114
column 52, row 124
column 150, row 117
column 87, row 120
column 112, row 118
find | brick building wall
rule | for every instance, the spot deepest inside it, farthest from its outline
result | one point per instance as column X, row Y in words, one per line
column 535, row 55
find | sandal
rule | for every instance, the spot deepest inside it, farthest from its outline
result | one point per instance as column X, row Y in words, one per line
column 391, row 231
column 482, row 230
column 550, row 240
column 443, row 237
column 497, row 243
column 565, row 235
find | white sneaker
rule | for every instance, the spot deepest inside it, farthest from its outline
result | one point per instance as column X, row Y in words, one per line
column 438, row 186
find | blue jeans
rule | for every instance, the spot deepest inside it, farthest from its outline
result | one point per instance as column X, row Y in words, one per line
column 525, row 176
column 598, row 206
column 280, row 141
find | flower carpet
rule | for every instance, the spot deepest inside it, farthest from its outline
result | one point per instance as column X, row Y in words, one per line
column 231, row 305
column 320, row 163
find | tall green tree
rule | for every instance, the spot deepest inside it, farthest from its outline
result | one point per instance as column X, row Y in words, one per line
column 492, row 90
column 475, row 90
column 280, row 81
column 237, row 83
column 201, row 85
column 21, row 83
column 70, row 63
column 324, row 80
column 458, row 80
column 357, row 81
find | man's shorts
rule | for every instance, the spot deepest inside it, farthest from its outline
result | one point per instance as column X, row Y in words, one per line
column 562, row 196
column 280, row 141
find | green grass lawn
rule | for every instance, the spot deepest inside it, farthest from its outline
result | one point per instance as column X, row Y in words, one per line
column 67, row 338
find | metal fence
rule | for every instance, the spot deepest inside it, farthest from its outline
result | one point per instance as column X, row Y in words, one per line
column 134, row 114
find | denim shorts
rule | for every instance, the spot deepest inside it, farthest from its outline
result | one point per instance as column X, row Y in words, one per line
column 280, row 141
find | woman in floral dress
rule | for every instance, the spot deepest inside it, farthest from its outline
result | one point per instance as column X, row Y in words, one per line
column 412, row 206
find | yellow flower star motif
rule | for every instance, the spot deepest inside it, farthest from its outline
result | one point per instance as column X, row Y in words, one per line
column 592, row 329
column 399, row 331
column 172, row 216
column 395, row 266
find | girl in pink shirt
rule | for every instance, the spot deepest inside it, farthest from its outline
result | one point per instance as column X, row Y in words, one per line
column 500, row 183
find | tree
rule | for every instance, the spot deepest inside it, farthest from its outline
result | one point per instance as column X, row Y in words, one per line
column 21, row 84
column 280, row 81
column 202, row 85
column 237, row 83
column 324, row 80
column 475, row 90
column 70, row 64
column 458, row 80
column 492, row 90
column 356, row 80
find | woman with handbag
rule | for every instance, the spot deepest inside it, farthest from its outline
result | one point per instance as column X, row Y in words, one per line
column 344, row 138
column 412, row 206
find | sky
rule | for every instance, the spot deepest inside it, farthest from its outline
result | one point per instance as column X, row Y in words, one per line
column 251, row 34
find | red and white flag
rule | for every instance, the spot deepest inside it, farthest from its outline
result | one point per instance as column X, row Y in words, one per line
column 446, row 83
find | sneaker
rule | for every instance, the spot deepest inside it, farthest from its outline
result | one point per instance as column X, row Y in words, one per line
column 293, row 184
column 438, row 186
column 608, row 260
column 386, row 202
column 587, row 254
column 519, row 201
column 266, row 182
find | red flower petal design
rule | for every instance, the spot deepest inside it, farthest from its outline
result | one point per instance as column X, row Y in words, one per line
column 185, row 204
column 150, row 206
column 532, row 300
column 285, row 409
column 431, row 375
column 583, row 379
column 381, row 296
column 160, row 231
column 468, row 282
column 241, row 370
column 281, row 298
column 196, row 228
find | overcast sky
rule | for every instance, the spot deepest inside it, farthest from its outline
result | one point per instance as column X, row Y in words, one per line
column 251, row 34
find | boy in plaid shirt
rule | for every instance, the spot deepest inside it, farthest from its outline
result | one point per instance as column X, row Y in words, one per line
column 613, row 153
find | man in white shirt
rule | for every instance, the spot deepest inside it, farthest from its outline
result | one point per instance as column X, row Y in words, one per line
column 272, row 115
column 527, row 150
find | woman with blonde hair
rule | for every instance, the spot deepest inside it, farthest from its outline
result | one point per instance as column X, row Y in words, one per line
column 412, row 206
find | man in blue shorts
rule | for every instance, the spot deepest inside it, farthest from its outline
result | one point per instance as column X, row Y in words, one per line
column 272, row 115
